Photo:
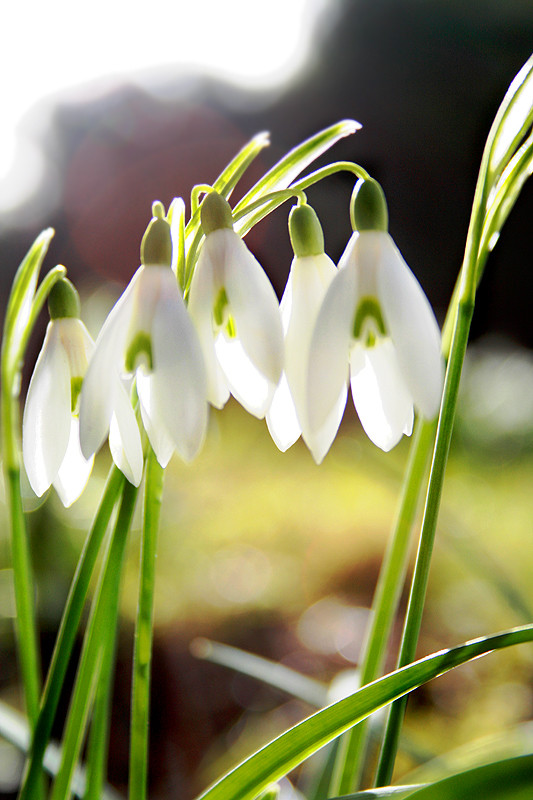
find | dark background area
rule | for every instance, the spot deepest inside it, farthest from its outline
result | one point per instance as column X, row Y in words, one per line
column 425, row 80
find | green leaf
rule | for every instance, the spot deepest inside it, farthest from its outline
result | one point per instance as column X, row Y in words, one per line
column 22, row 291
column 230, row 176
column 511, row 779
column 285, row 171
column 512, row 121
column 285, row 752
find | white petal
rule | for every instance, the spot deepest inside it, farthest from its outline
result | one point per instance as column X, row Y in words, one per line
column 201, row 301
column 102, row 377
column 281, row 418
column 75, row 470
column 179, row 377
column 124, row 436
column 310, row 278
column 46, row 422
column 252, row 303
column 249, row 386
column 329, row 351
column 380, row 395
column 320, row 440
column 160, row 440
column 413, row 329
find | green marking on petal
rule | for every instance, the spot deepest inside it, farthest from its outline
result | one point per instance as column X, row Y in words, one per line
column 231, row 328
column 139, row 353
column 368, row 323
column 75, row 390
column 219, row 307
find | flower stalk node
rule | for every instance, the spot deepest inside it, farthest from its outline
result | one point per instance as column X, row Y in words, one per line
column 215, row 213
column 368, row 207
column 305, row 230
column 64, row 300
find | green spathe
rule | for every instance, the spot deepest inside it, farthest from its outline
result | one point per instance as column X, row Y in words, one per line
column 307, row 237
column 368, row 207
column 215, row 213
column 156, row 245
column 63, row 300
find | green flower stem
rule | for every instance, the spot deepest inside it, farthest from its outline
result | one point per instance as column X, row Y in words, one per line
column 68, row 629
column 28, row 650
column 429, row 524
column 142, row 657
column 104, row 613
column 351, row 754
column 100, row 724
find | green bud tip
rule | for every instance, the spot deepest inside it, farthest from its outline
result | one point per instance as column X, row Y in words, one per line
column 307, row 237
column 63, row 300
column 215, row 213
column 368, row 207
column 156, row 245
column 158, row 209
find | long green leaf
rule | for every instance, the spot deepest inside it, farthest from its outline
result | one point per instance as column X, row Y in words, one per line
column 285, row 171
column 504, row 780
column 281, row 755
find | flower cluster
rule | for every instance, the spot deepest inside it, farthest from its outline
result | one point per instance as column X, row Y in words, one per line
column 366, row 324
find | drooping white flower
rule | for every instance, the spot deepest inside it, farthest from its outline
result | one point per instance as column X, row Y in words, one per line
column 148, row 334
column 375, row 318
column 236, row 312
column 310, row 276
column 50, row 427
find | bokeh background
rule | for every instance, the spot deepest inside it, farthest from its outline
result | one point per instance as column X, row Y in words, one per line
column 109, row 107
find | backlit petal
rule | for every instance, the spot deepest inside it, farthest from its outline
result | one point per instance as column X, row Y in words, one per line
column 246, row 383
column 201, row 300
column 253, row 305
column 281, row 419
column 179, row 377
column 98, row 392
column 329, row 351
column 124, row 436
column 413, row 329
column 319, row 441
column 380, row 395
column 75, row 470
column 46, row 422
column 160, row 440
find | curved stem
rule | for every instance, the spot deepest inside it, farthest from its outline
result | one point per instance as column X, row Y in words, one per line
column 142, row 657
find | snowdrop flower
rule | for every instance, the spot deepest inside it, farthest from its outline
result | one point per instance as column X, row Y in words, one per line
column 50, row 427
column 310, row 276
column 236, row 312
column 149, row 335
column 376, row 318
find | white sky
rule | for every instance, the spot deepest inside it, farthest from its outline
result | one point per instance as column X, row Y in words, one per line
column 50, row 47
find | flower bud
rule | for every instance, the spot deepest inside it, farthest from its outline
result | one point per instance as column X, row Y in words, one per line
column 306, row 234
column 63, row 300
column 368, row 207
column 156, row 245
column 215, row 213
